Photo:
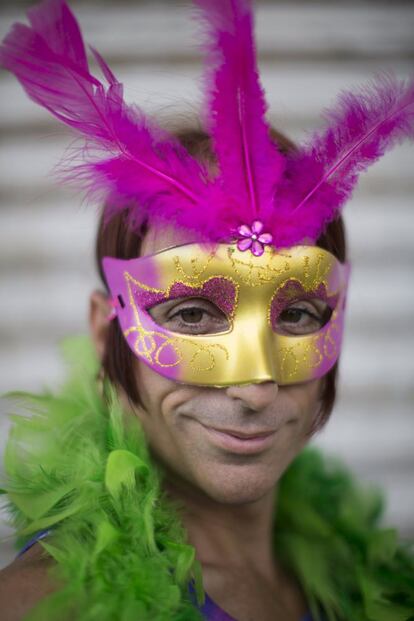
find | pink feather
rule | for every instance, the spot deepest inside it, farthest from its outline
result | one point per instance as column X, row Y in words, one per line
column 322, row 175
column 141, row 167
column 145, row 163
column 250, row 163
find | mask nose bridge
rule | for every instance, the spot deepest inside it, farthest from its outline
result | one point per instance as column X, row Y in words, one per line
column 255, row 337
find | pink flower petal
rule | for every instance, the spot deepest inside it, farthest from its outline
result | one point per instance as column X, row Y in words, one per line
column 257, row 227
column 257, row 249
column 265, row 238
column 244, row 244
column 244, row 230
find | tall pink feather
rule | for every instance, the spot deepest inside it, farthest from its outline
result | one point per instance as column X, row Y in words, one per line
column 126, row 157
column 322, row 175
column 250, row 163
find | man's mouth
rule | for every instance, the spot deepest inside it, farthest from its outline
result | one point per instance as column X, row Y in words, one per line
column 238, row 441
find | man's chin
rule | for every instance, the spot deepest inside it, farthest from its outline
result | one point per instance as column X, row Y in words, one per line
column 236, row 488
column 237, row 497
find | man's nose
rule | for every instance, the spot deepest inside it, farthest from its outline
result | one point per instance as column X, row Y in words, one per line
column 256, row 397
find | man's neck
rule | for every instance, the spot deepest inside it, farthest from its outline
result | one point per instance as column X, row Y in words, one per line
column 235, row 542
column 234, row 535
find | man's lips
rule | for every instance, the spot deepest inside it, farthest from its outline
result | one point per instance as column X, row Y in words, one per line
column 242, row 434
column 238, row 441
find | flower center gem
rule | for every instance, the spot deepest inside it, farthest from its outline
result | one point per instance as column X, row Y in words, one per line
column 253, row 238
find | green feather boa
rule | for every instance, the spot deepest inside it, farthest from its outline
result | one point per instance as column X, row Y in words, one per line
column 80, row 467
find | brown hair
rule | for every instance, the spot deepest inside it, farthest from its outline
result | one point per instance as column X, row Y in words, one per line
column 115, row 239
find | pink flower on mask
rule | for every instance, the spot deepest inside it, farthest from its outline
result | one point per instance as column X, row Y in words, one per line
column 253, row 238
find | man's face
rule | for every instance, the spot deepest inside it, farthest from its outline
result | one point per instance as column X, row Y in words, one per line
column 233, row 443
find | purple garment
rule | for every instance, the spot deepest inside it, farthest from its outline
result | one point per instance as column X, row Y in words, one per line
column 41, row 535
column 212, row 612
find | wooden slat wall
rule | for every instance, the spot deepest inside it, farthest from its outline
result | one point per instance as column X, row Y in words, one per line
column 308, row 52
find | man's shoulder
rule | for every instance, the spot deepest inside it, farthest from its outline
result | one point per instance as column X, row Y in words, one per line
column 24, row 582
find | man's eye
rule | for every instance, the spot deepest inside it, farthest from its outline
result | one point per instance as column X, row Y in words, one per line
column 197, row 320
column 191, row 315
column 199, row 317
column 301, row 320
column 295, row 315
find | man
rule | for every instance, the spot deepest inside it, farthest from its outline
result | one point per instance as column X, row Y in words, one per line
column 227, row 287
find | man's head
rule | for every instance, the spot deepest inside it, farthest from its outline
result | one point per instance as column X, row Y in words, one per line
column 232, row 443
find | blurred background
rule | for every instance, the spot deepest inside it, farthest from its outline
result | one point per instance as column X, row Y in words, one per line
column 308, row 51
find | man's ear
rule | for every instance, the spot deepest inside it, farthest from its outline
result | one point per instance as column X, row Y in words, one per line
column 99, row 311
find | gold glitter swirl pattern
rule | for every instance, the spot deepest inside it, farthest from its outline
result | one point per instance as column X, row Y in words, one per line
column 329, row 344
column 253, row 274
column 305, row 356
column 196, row 361
column 197, row 268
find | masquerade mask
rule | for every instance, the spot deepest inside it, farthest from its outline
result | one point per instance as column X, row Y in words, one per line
column 223, row 316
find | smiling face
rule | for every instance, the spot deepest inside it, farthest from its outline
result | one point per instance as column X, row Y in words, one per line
column 231, row 443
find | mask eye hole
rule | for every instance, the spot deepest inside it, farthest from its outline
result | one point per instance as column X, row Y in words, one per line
column 190, row 316
column 296, row 311
column 302, row 317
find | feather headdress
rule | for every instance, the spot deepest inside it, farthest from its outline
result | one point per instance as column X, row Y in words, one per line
column 128, row 160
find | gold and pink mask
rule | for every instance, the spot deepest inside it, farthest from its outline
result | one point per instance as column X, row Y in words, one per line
column 252, row 293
